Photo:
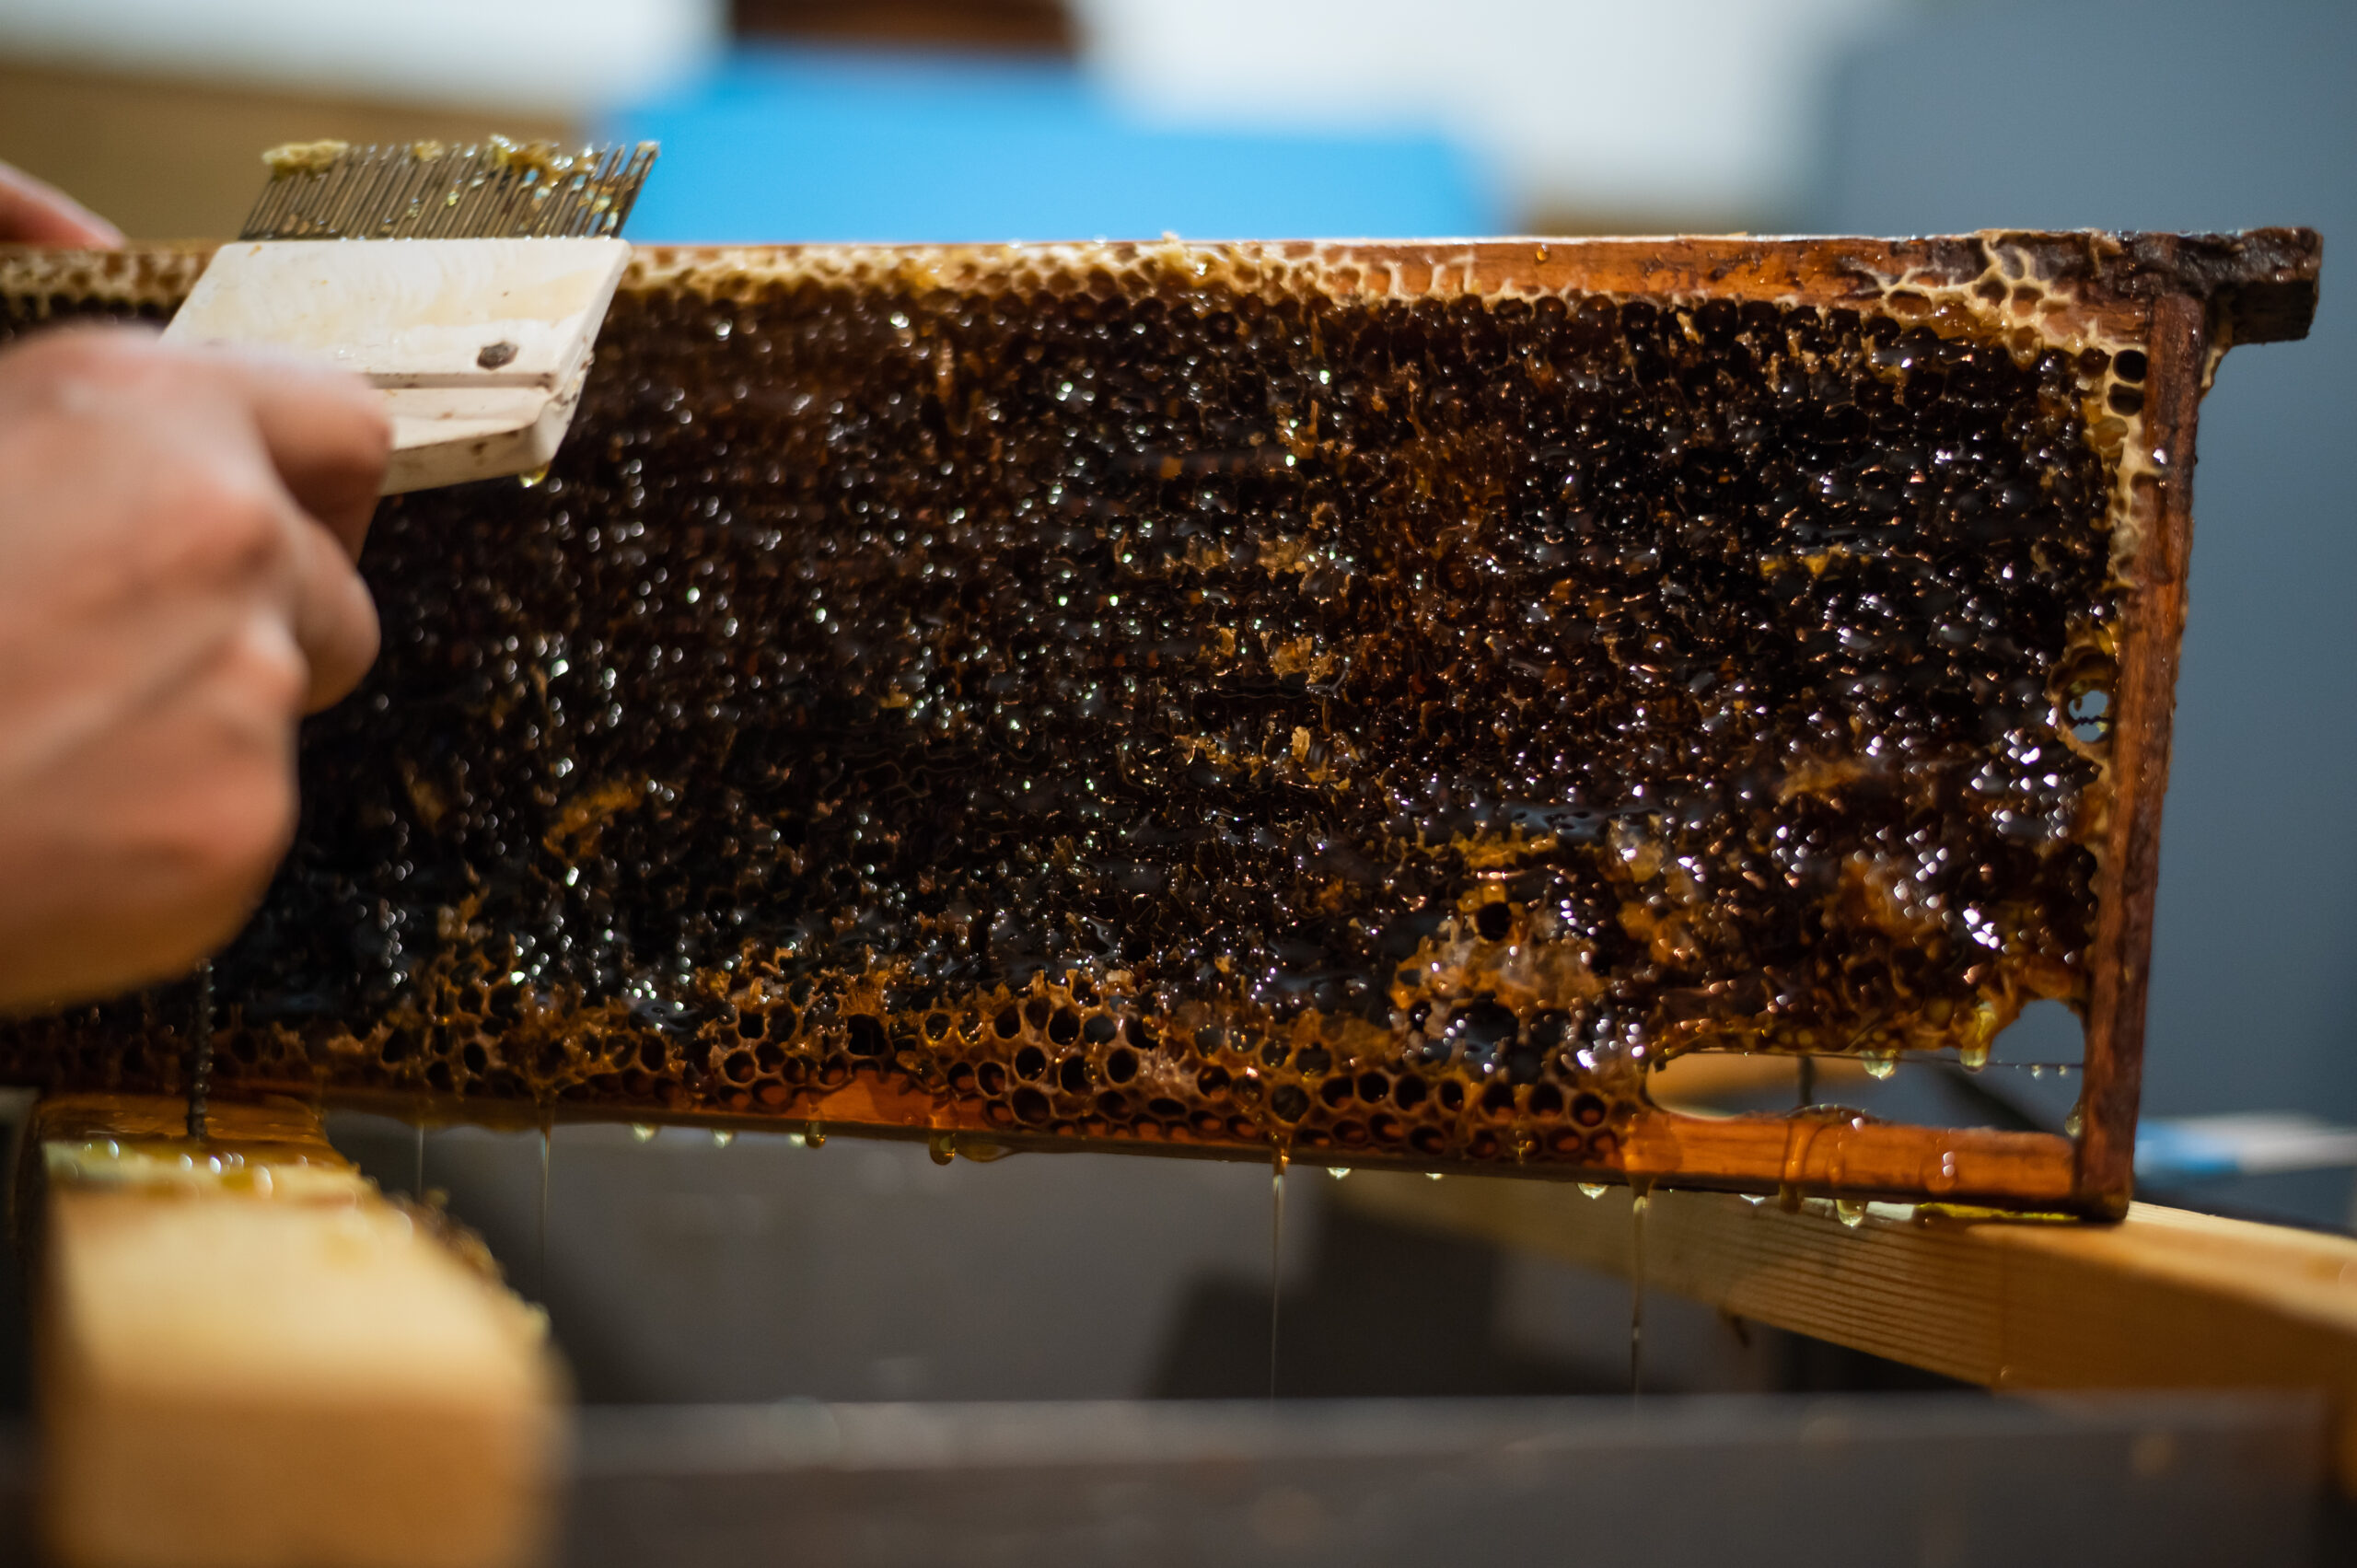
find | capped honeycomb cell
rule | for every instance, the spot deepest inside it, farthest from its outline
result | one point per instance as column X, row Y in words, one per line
column 1369, row 701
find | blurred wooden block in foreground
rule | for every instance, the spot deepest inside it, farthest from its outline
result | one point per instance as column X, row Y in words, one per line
column 2162, row 1299
column 248, row 1356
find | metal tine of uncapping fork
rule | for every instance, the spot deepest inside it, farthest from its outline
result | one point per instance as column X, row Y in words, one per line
column 362, row 194
column 431, row 191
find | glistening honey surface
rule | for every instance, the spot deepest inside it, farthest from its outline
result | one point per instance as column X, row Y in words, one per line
column 1147, row 709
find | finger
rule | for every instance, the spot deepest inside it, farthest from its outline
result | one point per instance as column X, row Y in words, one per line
column 333, row 620
column 327, row 433
column 316, row 440
column 33, row 212
column 325, row 430
column 73, row 367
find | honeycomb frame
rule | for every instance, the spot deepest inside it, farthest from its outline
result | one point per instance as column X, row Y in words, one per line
column 1070, row 1057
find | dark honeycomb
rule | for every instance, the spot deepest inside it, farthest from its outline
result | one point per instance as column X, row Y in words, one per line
column 1151, row 706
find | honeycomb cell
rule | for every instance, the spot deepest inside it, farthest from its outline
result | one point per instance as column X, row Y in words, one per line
column 1154, row 701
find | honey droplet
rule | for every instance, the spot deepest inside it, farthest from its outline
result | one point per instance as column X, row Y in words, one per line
column 642, row 1132
column 1593, row 1188
column 1851, row 1212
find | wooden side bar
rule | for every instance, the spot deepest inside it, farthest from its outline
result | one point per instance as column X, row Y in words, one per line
column 2164, row 1299
column 248, row 1358
column 2129, row 882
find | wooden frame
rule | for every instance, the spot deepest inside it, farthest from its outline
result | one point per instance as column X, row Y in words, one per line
column 2180, row 299
column 2165, row 1299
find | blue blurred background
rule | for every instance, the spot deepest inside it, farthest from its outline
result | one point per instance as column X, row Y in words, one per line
column 771, row 142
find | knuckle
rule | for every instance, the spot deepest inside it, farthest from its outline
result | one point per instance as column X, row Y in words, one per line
column 357, row 436
column 356, row 401
column 229, row 521
column 267, row 671
column 376, row 427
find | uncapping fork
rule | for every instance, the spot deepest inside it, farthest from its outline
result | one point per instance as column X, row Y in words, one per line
column 466, row 283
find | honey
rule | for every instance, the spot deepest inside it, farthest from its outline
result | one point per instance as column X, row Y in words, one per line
column 1126, row 699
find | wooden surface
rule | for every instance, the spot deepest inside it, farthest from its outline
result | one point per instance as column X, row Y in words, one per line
column 249, row 1359
column 2164, row 1299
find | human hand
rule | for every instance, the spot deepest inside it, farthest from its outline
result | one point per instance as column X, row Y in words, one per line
column 177, row 530
column 35, row 213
